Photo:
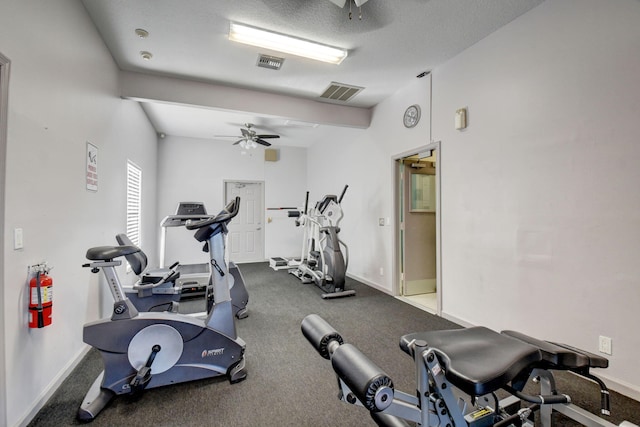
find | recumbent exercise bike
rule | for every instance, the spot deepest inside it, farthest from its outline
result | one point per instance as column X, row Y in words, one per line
column 474, row 361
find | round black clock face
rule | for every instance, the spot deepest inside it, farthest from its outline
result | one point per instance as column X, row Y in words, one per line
column 411, row 116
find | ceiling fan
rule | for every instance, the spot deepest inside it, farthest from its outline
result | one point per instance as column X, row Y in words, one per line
column 250, row 138
column 358, row 3
column 341, row 3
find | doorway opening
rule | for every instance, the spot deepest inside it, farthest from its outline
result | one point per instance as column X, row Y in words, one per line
column 246, row 233
column 417, row 232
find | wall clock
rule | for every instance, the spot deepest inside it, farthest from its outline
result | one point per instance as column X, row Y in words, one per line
column 411, row 116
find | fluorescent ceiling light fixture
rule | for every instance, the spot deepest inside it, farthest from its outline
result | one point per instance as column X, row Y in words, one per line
column 287, row 44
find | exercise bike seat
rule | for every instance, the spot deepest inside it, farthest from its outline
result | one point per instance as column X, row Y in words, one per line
column 477, row 360
column 108, row 253
column 561, row 356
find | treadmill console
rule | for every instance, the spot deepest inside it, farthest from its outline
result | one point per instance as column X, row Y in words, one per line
column 191, row 208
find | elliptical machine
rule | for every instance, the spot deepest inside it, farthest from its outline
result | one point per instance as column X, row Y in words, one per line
column 153, row 349
column 322, row 261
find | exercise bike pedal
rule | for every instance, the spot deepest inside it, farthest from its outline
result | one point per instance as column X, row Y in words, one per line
column 140, row 381
column 142, row 378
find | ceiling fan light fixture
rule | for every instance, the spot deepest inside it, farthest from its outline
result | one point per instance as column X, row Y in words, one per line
column 282, row 43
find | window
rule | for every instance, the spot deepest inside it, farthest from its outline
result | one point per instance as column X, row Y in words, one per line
column 134, row 202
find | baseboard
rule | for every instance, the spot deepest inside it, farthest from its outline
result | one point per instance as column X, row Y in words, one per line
column 369, row 283
column 41, row 400
column 457, row 320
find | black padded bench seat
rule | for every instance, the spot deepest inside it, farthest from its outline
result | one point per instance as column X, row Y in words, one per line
column 107, row 253
column 477, row 360
column 561, row 356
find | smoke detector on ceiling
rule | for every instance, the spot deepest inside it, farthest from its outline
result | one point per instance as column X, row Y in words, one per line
column 270, row 62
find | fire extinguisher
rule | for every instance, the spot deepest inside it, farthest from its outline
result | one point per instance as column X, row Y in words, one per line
column 40, row 299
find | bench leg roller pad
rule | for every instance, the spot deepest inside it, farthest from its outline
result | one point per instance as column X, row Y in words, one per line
column 372, row 387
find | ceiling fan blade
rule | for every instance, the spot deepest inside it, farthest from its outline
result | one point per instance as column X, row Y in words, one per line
column 245, row 133
column 227, row 136
column 339, row 3
column 268, row 136
column 263, row 142
column 238, row 141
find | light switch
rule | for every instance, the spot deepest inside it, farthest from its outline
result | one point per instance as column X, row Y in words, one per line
column 17, row 239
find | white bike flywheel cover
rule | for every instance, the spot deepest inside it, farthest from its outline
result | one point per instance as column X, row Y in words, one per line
column 169, row 340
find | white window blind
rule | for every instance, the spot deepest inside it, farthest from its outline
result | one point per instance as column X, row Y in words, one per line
column 134, row 202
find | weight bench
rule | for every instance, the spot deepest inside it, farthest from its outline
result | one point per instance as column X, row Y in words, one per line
column 476, row 361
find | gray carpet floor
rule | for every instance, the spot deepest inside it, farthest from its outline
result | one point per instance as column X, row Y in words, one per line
column 288, row 383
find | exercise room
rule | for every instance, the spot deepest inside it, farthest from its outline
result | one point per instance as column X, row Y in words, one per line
column 319, row 213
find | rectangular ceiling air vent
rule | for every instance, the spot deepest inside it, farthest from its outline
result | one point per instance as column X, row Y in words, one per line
column 340, row 92
column 270, row 62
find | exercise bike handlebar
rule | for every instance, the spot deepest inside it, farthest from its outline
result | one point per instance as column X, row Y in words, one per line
column 229, row 211
column 172, row 271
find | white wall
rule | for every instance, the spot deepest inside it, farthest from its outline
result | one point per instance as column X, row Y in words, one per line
column 63, row 92
column 192, row 169
column 540, row 200
column 362, row 159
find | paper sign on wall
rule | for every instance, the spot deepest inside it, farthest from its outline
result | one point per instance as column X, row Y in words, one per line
column 92, row 167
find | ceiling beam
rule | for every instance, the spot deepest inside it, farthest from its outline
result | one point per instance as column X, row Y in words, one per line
column 146, row 87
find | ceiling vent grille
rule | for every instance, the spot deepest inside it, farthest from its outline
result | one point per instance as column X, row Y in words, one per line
column 270, row 62
column 340, row 92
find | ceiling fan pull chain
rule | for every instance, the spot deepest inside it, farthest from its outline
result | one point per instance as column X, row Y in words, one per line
column 349, row 10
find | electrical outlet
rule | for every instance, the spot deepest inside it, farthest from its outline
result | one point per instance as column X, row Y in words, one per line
column 604, row 345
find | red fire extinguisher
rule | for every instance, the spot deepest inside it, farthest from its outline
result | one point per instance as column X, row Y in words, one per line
column 40, row 299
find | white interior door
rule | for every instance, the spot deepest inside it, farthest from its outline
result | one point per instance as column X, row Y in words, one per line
column 246, row 232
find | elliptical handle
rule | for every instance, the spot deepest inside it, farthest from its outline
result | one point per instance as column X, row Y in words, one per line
column 306, row 203
column 342, row 195
column 229, row 211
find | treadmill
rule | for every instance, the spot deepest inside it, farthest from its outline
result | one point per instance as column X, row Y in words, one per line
column 194, row 278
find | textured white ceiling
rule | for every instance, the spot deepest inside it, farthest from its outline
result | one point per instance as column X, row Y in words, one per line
column 393, row 42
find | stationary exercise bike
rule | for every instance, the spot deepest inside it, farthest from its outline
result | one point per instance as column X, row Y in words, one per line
column 451, row 364
column 152, row 349
column 323, row 261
